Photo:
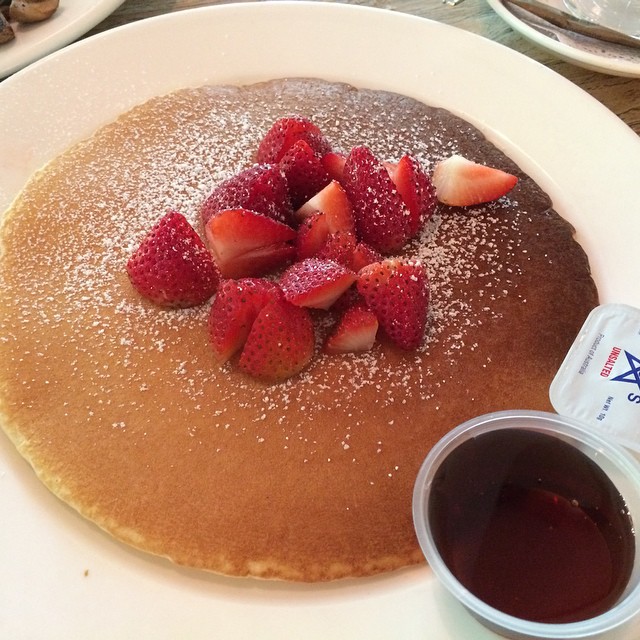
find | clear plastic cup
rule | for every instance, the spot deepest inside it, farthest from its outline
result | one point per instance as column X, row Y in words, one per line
column 622, row 15
column 619, row 466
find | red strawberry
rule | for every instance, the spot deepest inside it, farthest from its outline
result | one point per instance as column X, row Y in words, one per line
column 245, row 243
column 397, row 292
column 339, row 247
column 460, row 182
column 363, row 255
column 315, row 241
column 333, row 164
column 261, row 188
column 315, row 282
column 234, row 309
column 284, row 133
column 355, row 331
column 350, row 298
column 312, row 236
column 415, row 188
column 382, row 218
column 304, row 172
column 281, row 342
column 333, row 201
column 173, row 267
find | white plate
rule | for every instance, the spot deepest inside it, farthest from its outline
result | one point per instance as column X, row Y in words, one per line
column 585, row 52
column 72, row 19
column 63, row 578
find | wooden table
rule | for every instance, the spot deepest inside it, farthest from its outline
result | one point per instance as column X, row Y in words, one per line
column 620, row 95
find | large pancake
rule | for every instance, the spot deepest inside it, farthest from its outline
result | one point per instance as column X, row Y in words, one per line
column 123, row 414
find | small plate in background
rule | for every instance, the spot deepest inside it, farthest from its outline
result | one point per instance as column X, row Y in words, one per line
column 583, row 51
column 72, row 19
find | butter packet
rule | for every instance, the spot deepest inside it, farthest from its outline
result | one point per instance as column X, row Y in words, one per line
column 599, row 381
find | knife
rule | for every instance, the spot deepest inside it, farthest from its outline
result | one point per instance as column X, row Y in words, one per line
column 572, row 23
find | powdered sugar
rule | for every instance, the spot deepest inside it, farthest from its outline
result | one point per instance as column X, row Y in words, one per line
column 169, row 154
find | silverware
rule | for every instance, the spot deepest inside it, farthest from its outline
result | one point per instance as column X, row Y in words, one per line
column 572, row 23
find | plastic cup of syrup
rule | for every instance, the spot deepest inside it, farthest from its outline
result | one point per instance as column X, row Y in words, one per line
column 527, row 518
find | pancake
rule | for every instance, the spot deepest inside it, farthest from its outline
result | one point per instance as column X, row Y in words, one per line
column 122, row 412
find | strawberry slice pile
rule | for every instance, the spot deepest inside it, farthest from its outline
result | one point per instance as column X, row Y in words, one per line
column 304, row 232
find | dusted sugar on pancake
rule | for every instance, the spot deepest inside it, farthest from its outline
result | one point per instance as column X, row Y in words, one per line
column 123, row 413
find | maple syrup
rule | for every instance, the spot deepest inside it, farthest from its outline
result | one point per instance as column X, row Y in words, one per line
column 532, row 526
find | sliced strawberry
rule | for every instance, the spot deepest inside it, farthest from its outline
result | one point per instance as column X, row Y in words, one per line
column 172, row 266
column 312, row 236
column 415, row 188
column 304, row 172
column 245, row 243
column 316, row 283
column 339, row 247
column 397, row 292
column 234, row 309
column 382, row 218
column 333, row 201
column 350, row 298
column 333, row 164
column 355, row 331
column 261, row 188
column 460, row 182
column 284, row 133
column 261, row 261
column 364, row 255
column 281, row 342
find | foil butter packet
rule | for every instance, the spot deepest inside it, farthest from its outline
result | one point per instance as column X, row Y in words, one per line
column 598, row 382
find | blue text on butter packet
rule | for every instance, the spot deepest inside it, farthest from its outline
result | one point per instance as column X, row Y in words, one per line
column 599, row 381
